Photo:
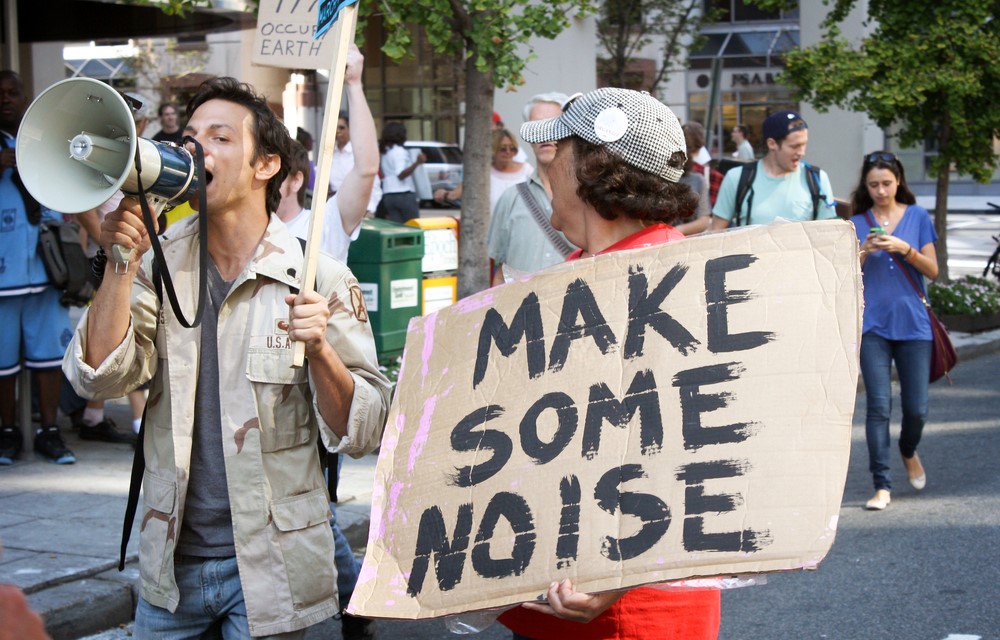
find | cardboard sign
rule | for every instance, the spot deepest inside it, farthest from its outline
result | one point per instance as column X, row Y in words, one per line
column 644, row 416
column 286, row 31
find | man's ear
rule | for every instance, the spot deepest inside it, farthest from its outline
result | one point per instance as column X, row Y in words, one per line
column 296, row 180
column 267, row 166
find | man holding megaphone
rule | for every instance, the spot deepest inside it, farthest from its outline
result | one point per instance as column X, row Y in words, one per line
column 235, row 508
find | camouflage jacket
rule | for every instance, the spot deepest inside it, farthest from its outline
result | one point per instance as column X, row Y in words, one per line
column 270, row 421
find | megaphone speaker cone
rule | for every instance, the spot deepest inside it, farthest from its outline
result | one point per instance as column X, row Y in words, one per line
column 75, row 145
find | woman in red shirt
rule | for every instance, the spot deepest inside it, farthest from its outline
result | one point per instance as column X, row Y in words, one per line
column 615, row 186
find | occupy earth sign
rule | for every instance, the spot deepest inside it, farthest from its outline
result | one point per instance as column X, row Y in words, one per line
column 640, row 417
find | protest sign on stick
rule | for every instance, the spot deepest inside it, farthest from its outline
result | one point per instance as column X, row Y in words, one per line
column 645, row 416
column 294, row 20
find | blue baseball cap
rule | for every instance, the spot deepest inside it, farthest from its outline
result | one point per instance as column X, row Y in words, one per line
column 779, row 125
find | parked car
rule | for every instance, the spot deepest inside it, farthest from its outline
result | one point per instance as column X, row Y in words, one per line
column 442, row 170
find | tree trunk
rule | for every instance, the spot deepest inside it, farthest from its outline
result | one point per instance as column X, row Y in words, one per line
column 473, row 260
column 941, row 200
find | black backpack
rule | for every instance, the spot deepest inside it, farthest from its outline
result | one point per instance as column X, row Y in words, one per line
column 744, row 190
column 66, row 264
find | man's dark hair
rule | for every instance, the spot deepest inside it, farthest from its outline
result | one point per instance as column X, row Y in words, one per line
column 743, row 129
column 614, row 188
column 303, row 137
column 270, row 135
column 344, row 116
column 7, row 74
column 14, row 77
column 159, row 111
column 298, row 162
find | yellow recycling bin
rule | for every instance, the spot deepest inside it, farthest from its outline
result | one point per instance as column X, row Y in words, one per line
column 440, row 261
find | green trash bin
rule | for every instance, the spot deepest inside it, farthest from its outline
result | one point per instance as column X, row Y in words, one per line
column 386, row 259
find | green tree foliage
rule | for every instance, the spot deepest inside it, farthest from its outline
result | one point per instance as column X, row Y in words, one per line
column 930, row 70
column 487, row 35
column 625, row 27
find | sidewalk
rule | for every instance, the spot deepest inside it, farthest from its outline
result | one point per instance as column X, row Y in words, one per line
column 61, row 525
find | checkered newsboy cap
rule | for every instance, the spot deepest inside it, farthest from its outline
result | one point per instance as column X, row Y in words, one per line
column 633, row 125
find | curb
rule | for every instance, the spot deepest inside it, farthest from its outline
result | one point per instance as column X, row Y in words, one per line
column 88, row 604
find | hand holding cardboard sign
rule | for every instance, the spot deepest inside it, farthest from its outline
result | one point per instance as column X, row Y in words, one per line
column 565, row 602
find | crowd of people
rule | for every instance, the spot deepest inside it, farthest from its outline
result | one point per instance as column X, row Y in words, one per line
column 233, row 389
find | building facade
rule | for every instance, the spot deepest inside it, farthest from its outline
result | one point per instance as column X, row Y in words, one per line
column 733, row 77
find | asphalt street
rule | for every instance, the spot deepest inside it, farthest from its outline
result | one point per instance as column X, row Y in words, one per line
column 925, row 568
column 970, row 241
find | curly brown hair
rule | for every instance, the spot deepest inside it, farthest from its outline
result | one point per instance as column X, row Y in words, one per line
column 614, row 188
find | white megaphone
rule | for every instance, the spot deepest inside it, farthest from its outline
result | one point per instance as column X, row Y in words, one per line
column 76, row 147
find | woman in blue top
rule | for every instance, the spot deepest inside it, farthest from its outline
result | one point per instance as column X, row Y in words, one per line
column 897, row 240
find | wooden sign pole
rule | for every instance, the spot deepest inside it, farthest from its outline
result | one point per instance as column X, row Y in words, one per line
column 342, row 33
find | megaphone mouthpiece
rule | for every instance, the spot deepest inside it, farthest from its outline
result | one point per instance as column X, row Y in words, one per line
column 106, row 155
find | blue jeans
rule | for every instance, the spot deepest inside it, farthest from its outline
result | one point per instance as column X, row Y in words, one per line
column 348, row 568
column 211, row 605
column 347, row 565
column 913, row 365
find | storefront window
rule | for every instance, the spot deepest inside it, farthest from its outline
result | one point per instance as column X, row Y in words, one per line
column 741, row 11
column 422, row 92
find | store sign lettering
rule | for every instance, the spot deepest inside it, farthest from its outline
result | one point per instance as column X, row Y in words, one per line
column 752, row 79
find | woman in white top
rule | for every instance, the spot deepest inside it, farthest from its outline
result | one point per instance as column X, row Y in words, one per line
column 399, row 199
column 504, row 171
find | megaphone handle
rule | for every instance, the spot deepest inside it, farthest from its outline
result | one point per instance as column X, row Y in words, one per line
column 123, row 255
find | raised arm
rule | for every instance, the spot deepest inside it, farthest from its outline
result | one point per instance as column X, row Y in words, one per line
column 354, row 193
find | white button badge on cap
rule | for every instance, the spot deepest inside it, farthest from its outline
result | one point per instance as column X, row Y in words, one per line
column 611, row 124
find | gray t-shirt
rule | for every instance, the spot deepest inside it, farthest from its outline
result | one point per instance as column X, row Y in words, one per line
column 207, row 529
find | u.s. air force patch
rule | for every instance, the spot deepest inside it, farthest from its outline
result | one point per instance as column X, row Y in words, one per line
column 358, row 302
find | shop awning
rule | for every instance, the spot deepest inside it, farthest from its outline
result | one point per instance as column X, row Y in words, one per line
column 106, row 20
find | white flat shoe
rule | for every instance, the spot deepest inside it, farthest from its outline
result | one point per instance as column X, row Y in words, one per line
column 915, row 472
column 879, row 501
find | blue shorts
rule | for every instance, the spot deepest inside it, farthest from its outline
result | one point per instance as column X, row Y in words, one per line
column 36, row 327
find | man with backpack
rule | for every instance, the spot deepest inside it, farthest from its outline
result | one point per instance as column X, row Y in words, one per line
column 780, row 185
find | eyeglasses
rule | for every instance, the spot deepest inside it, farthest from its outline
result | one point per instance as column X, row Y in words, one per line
column 507, row 149
column 570, row 101
column 880, row 156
